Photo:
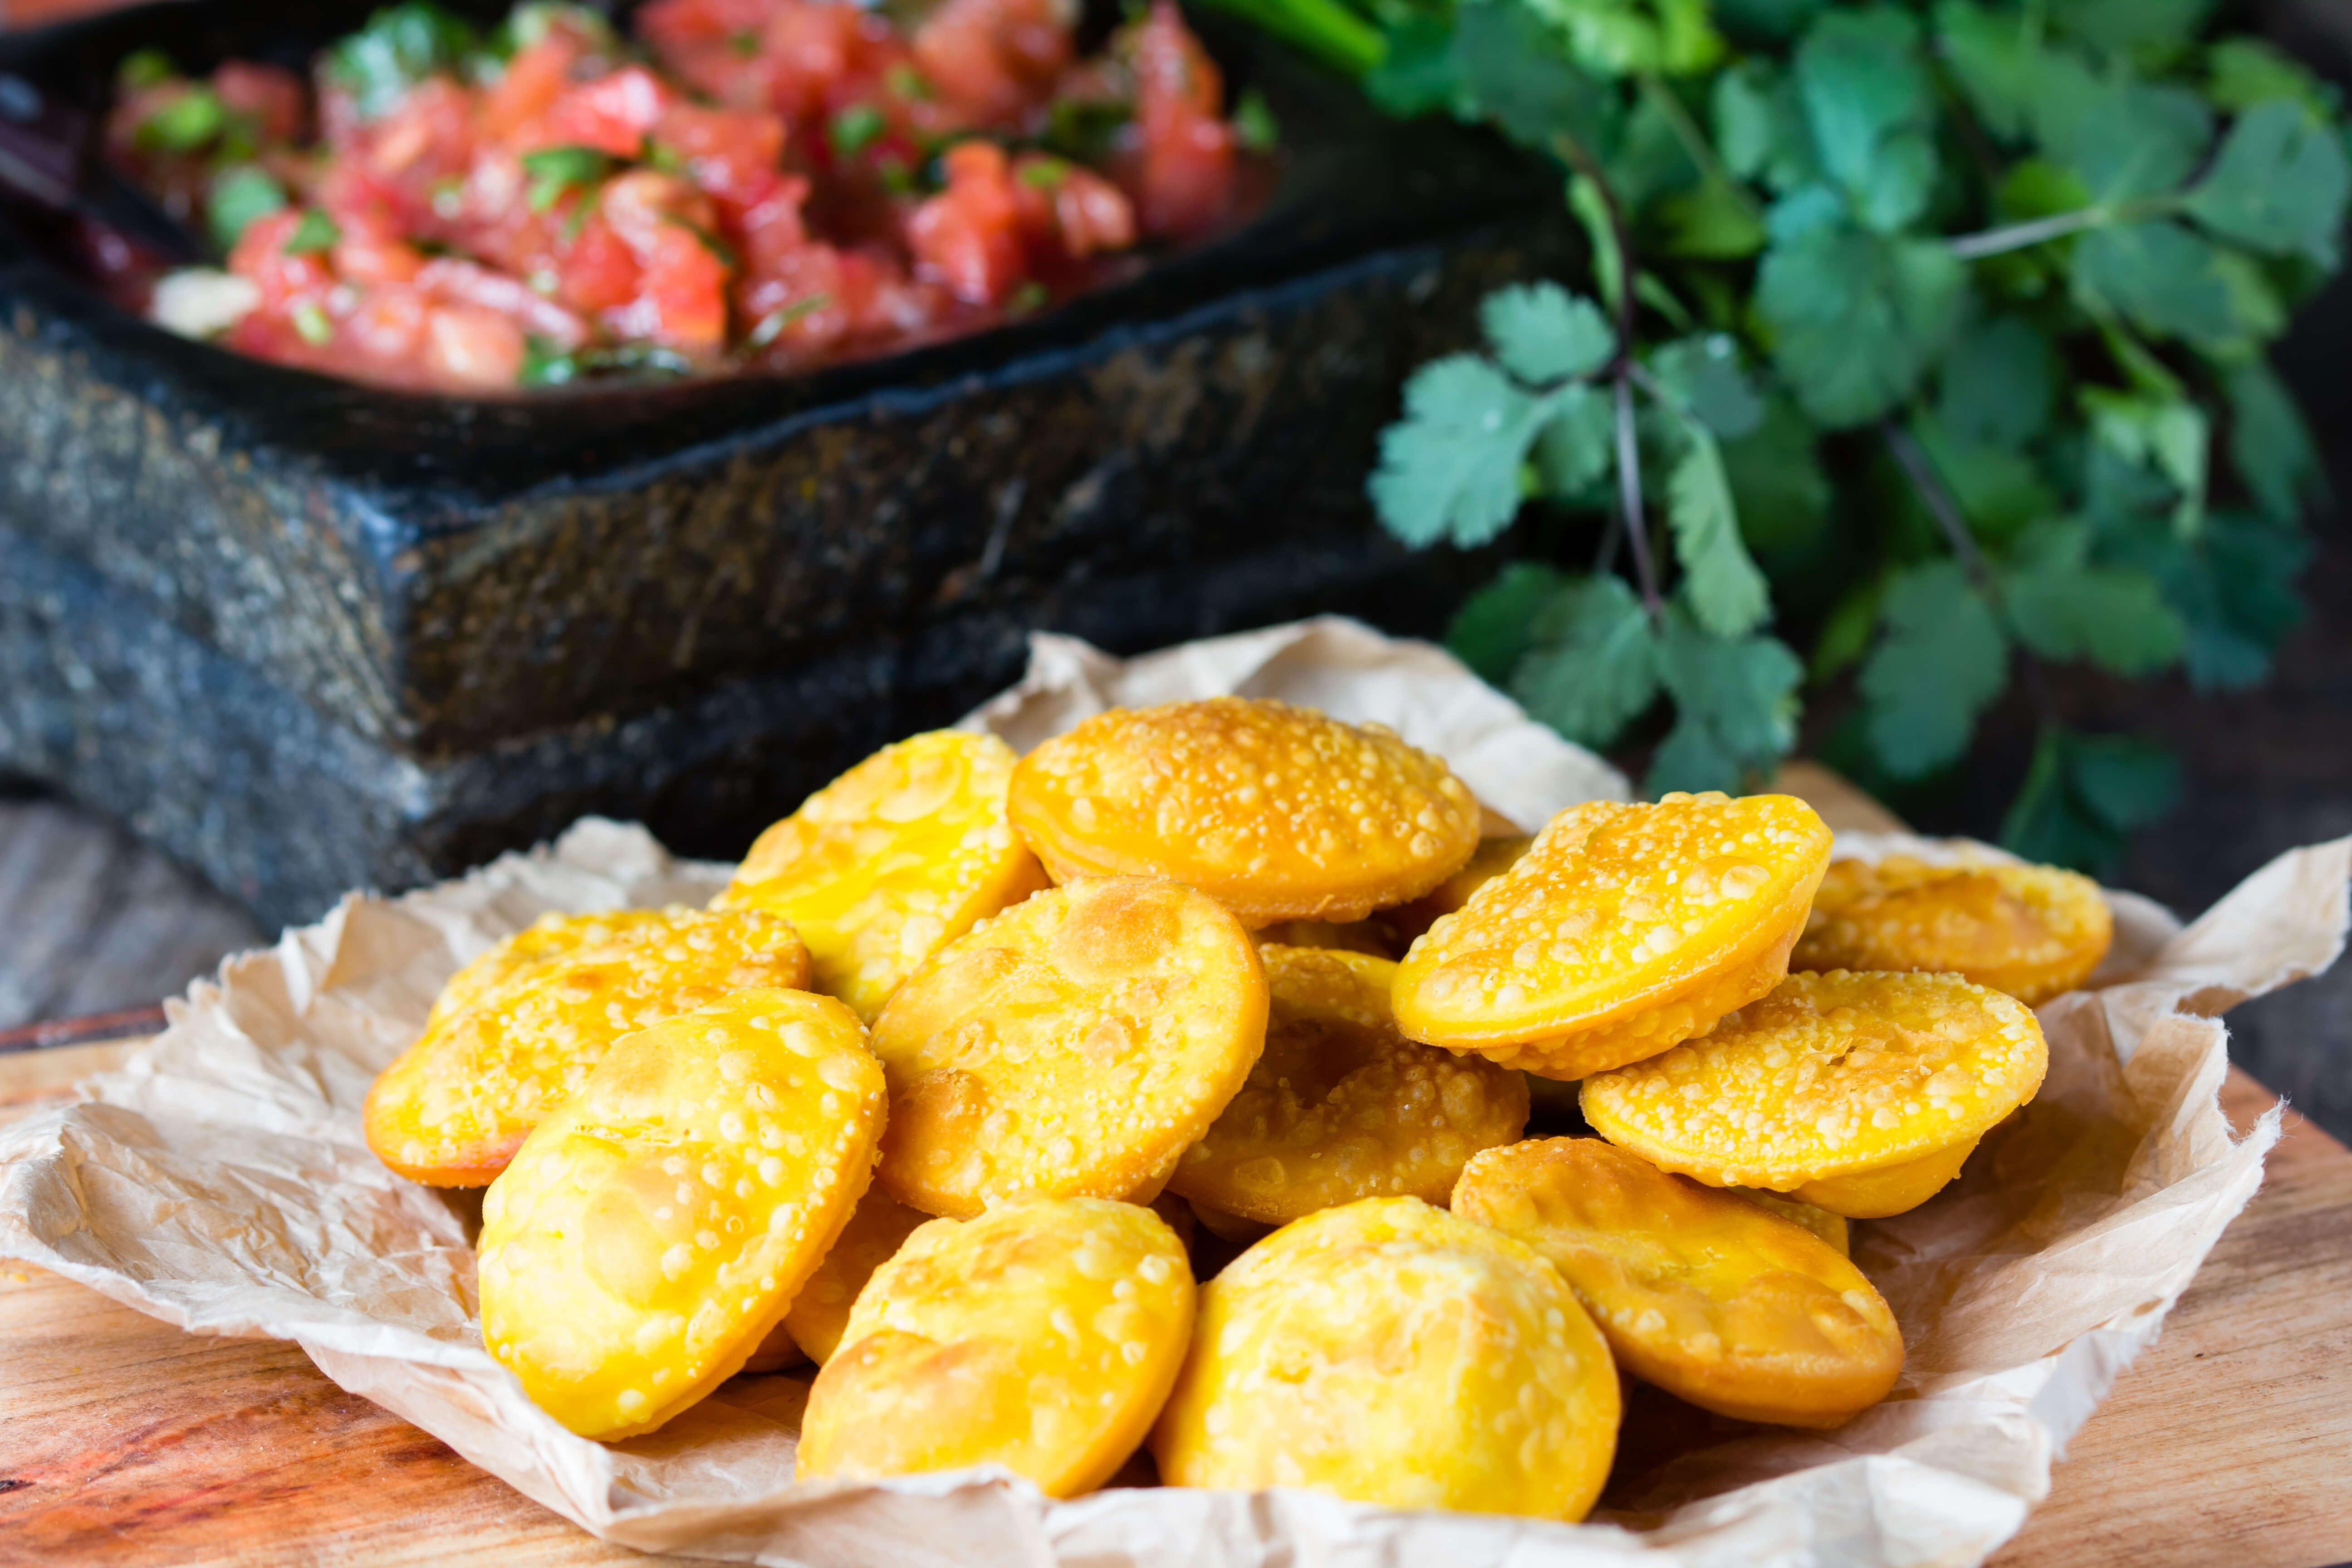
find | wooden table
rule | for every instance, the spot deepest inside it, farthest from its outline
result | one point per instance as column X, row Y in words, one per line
column 123, row 1441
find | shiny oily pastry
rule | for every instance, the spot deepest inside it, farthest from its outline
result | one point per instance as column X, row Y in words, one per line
column 891, row 861
column 1042, row 1336
column 1699, row 1291
column 551, row 939
column 1340, row 1106
column 1862, row 1094
column 1074, row 1046
column 1389, row 1352
column 1623, row 930
column 1278, row 813
column 2034, row 931
column 873, row 1236
column 649, row 1234
column 454, row 1107
column 1832, row 1228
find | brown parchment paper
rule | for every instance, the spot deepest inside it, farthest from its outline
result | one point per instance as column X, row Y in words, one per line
column 219, row 1182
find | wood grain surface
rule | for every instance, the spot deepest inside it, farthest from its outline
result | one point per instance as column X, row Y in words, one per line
column 125, row 1442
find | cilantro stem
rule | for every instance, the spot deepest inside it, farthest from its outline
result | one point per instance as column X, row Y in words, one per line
column 1573, row 153
column 2025, row 236
column 1629, row 495
column 1920, row 470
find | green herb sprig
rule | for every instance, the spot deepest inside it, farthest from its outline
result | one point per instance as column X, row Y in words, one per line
column 1945, row 324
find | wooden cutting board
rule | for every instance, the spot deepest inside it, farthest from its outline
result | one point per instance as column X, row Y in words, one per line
column 123, row 1441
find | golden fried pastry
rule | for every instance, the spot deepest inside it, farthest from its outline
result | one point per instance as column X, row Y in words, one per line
column 1700, row 1292
column 2034, row 931
column 1862, row 1094
column 1074, row 1046
column 1489, row 860
column 650, row 1233
column 1623, row 930
column 892, row 861
column 1042, row 1336
column 551, row 939
column 873, row 1236
column 1341, row 1106
column 1832, row 1228
column 453, row 1110
column 1357, row 936
column 1390, row 1353
column 1277, row 812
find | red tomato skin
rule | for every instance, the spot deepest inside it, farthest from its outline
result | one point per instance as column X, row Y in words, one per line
column 613, row 114
column 969, row 235
column 274, row 99
column 1183, row 181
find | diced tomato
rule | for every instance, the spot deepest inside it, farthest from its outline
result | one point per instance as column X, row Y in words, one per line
column 428, row 137
column 273, row 99
column 613, row 114
column 534, row 79
column 599, row 272
column 1069, row 212
column 1183, row 181
column 388, row 326
column 446, row 280
column 472, row 347
column 366, row 259
column 261, row 254
column 995, row 60
column 730, row 152
column 811, row 47
column 969, row 235
column 772, row 228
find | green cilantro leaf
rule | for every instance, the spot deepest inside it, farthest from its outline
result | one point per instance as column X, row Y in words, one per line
column 240, row 194
column 1592, row 664
column 1494, row 628
column 2269, row 443
column 1712, row 221
column 1777, row 480
column 2000, row 491
column 2123, row 138
column 2171, row 436
column 1999, row 383
column 2083, row 792
column 1509, row 68
column 317, row 232
column 1998, row 65
column 143, row 68
column 2151, row 30
column 1942, row 661
column 1419, row 73
column 855, row 129
column 1760, row 130
column 1634, row 37
column 1577, row 446
column 1450, row 469
column 2064, row 607
column 1704, row 374
column 2279, row 184
column 558, row 171
column 1857, row 319
column 1725, row 591
column 1543, row 333
column 1867, row 96
column 399, row 47
column 2243, row 73
column 1846, row 632
column 187, row 121
column 2161, row 276
column 2234, row 586
column 1255, row 126
column 1735, row 706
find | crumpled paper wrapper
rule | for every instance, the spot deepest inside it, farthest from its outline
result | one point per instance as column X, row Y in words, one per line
column 220, row 1182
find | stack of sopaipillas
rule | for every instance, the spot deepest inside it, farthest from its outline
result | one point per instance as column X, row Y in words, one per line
column 1217, row 975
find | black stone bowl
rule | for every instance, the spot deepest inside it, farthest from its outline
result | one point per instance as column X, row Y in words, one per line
column 310, row 635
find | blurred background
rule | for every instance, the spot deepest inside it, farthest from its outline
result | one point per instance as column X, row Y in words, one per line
column 91, row 921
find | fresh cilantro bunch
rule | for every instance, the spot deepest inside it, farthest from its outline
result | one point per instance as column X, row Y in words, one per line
column 1944, row 326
